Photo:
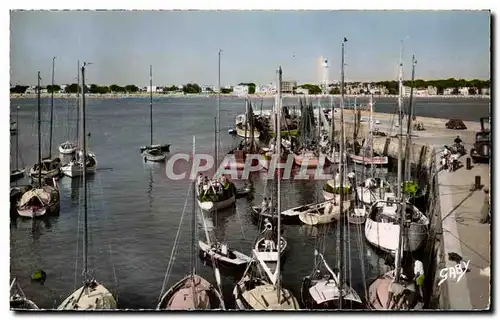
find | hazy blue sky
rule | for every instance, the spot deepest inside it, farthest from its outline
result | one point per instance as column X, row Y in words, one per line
column 182, row 46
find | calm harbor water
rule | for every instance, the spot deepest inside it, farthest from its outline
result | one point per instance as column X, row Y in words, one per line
column 135, row 210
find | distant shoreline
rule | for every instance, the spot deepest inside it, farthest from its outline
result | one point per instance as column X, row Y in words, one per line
column 251, row 96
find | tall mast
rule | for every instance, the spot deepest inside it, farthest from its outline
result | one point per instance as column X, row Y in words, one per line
column 39, row 135
column 409, row 128
column 78, row 99
column 400, row 168
column 51, row 107
column 278, row 198
column 151, row 102
column 341, row 168
column 17, row 137
column 217, row 128
column 371, row 134
column 193, row 232
column 84, row 175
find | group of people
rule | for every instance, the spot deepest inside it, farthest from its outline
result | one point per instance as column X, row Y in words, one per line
column 450, row 155
column 204, row 183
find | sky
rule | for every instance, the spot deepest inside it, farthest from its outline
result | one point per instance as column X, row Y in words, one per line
column 183, row 46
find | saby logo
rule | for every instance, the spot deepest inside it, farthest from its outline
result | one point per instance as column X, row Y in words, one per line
column 455, row 272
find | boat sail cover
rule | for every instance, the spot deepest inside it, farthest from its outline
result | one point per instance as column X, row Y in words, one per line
column 42, row 194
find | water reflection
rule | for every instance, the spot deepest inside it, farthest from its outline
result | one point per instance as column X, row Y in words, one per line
column 36, row 227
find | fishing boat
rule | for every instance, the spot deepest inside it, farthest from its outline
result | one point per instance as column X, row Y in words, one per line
column 321, row 289
column 292, row 215
column 18, row 300
column 83, row 160
column 374, row 189
column 388, row 217
column 92, row 295
column 193, row 292
column 69, row 147
column 17, row 173
column 254, row 291
column 43, row 198
column 220, row 191
column 243, row 131
column 153, row 153
column 332, row 187
column 329, row 212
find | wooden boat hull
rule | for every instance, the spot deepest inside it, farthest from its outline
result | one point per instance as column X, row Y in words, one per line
column 67, row 148
column 159, row 157
column 75, row 169
column 262, row 296
column 378, row 292
column 180, row 295
column 258, row 215
column 357, row 216
column 51, row 168
column 220, row 205
column 314, row 218
column 238, row 260
column 385, row 236
column 30, row 210
column 90, row 298
column 241, row 133
column 17, row 174
column 377, row 161
column 350, row 303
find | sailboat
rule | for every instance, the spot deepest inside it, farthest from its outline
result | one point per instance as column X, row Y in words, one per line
column 394, row 290
column 84, row 160
column 17, row 173
column 43, row 198
column 324, row 288
column 153, row 152
column 257, row 292
column 193, row 292
column 383, row 224
column 220, row 191
column 18, row 300
column 92, row 295
column 366, row 157
column 70, row 147
column 50, row 167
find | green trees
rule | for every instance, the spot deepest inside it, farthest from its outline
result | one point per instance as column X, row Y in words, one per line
column 251, row 87
column 131, row 88
column 191, row 88
column 226, row 90
column 312, row 88
column 55, row 88
column 18, row 89
column 95, row 89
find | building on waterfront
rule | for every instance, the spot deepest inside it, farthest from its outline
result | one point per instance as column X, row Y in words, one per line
column 485, row 91
column 448, row 91
column 208, row 89
column 265, row 89
column 432, row 91
column 463, row 91
column 150, row 88
column 288, row 86
column 240, row 90
column 302, row 91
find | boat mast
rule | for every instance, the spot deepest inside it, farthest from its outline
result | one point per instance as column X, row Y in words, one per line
column 341, row 169
column 278, row 198
column 39, row 135
column 84, row 176
column 409, row 128
column 217, row 128
column 17, row 137
column 193, row 233
column 151, row 102
column 399, row 192
column 371, row 134
column 78, row 100
column 51, row 107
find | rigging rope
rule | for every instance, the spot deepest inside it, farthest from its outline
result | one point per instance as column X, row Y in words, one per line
column 174, row 247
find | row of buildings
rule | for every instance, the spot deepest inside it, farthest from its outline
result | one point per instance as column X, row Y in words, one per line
column 289, row 86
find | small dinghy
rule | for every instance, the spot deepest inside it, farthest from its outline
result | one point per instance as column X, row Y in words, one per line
column 17, row 174
column 232, row 131
column 50, row 168
column 18, row 300
column 223, row 255
column 292, row 215
column 155, row 153
column 39, row 202
column 406, row 293
column 243, row 191
column 67, row 148
column 357, row 216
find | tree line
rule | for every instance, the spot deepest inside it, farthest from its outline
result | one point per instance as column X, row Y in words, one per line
column 475, row 86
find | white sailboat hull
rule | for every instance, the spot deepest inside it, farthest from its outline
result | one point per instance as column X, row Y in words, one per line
column 154, row 157
column 67, row 148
